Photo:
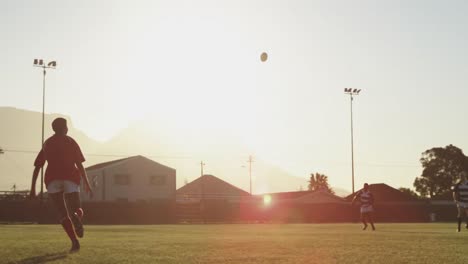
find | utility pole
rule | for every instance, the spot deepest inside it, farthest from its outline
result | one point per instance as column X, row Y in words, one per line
column 250, row 172
column 202, row 200
column 201, row 167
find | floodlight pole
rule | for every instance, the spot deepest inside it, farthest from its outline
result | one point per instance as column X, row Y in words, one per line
column 352, row 92
column 201, row 167
column 42, row 141
column 202, row 200
column 250, row 173
column 50, row 65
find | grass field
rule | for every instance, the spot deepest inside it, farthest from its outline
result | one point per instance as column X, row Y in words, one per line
column 255, row 243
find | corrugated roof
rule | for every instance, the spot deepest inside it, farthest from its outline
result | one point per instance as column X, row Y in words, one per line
column 287, row 195
column 384, row 193
column 113, row 162
column 306, row 197
column 320, row 197
column 210, row 185
column 108, row 163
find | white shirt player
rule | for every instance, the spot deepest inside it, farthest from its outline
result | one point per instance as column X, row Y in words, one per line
column 461, row 191
column 367, row 200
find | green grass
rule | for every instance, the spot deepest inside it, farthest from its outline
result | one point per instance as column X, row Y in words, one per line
column 255, row 243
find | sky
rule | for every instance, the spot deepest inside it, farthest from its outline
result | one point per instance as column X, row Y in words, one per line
column 197, row 64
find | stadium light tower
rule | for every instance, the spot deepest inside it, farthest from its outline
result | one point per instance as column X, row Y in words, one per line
column 250, row 173
column 51, row 65
column 351, row 92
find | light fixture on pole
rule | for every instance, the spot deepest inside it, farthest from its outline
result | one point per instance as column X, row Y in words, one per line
column 51, row 65
column 351, row 92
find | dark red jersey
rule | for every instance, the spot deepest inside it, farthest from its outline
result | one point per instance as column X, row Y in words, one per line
column 61, row 153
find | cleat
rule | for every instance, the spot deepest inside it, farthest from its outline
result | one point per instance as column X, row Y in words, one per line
column 76, row 220
column 364, row 228
column 75, row 246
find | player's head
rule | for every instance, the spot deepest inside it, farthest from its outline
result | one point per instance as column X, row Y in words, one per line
column 463, row 176
column 59, row 125
column 366, row 186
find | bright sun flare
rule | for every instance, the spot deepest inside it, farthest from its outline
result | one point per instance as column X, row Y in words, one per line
column 266, row 199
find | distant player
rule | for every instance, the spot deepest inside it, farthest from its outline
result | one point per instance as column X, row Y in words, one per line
column 460, row 196
column 62, row 179
column 367, row 206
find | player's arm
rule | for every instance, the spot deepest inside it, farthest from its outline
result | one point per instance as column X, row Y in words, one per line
column 79, row 159
column 32, row 193
column 455, row 193
column 38, row 164
column 84, row 176
column 355, row 198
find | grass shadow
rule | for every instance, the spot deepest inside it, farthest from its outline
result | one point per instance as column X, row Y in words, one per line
column 42, row 259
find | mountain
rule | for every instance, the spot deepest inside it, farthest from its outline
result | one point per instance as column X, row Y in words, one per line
column 224, row 156
column 20, row 137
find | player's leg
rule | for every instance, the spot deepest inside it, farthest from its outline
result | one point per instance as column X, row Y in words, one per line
column 72, row 197
column 363, row 220
column 459, row 218
column 76, row 213
column 370, row 220
column 65, row 221
column 465, row 211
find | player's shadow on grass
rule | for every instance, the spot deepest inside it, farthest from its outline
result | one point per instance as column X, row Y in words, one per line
column 42, row 259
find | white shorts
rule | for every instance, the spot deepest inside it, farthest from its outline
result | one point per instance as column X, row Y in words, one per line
column 462, row 205
column 367, row 209
column 65, row 186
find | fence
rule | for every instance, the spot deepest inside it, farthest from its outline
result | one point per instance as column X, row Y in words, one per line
column 161, row 212
column 223, row 211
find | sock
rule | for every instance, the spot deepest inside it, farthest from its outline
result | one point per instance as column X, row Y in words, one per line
column 79, row 212
column 68, row 227
column 459, row 222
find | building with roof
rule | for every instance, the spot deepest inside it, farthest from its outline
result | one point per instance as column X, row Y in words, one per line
column 392, row 205
column 384, row 193
column 305, row 206
column 306, row 197
column 209, row 187
column 133, row 179
column 210, row 199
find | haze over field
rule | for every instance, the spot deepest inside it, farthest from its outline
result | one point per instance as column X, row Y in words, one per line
column 182, row 82
column 228, row 161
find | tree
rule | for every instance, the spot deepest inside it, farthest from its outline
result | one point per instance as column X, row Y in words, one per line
column 319, row 181
column 409, row 191
column 442, row 168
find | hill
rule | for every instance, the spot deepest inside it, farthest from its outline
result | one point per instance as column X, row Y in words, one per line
column 224, row 156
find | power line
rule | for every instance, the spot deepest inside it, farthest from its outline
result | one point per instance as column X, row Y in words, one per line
column 104, row 155
column 364, row 164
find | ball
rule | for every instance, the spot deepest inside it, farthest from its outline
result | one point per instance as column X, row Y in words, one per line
column 264, row 57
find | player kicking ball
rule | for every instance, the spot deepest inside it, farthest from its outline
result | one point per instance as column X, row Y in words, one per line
column 460, row 196
column 62, row 178
column 367, row 206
